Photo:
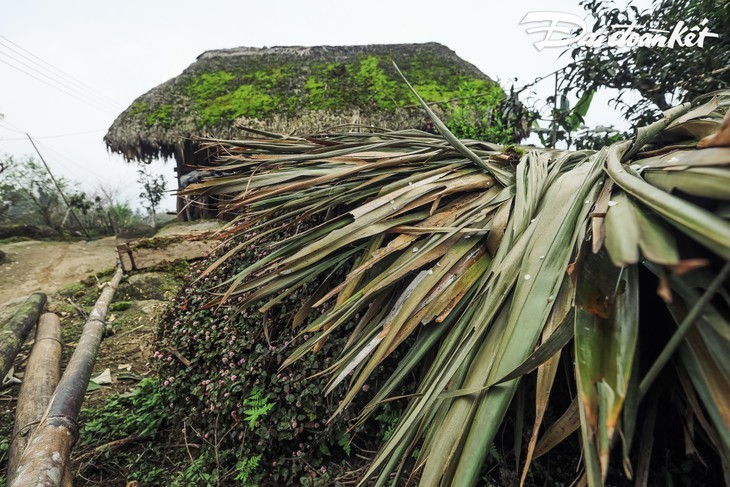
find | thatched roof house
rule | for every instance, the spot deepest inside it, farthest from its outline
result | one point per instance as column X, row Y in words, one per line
column 304, row 89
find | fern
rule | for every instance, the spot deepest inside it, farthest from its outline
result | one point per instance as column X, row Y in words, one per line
column 388, row 421
column 246, row 467
column 493, row 453
column 344, row 442
column 257, row 406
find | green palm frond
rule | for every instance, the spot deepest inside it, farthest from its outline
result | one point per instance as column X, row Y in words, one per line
column 483, row 254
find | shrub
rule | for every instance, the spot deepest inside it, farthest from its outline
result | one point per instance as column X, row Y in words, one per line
column 256, row 424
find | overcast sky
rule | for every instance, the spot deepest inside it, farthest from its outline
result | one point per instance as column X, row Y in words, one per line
column 120, row 50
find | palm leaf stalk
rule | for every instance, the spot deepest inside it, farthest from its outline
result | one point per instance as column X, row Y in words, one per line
column 494, row 259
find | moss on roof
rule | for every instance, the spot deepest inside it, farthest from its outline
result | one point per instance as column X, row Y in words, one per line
column 288, row 89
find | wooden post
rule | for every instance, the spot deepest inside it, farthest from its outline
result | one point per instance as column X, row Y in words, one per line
column 39, row 382
column 46, row 460
column 17, row 328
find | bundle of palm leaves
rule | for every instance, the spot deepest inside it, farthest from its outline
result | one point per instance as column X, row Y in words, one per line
column 495, row 261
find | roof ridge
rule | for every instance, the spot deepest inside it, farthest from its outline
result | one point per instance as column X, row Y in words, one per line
column 309, row 50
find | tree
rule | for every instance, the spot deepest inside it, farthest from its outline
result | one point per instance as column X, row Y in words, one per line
column 29, row 195
column 465, row 258
column 153, row 189
column 661, row 76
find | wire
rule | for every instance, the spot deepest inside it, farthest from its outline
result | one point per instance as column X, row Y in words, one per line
column 72, row 134
column 78, row 82
column 10, row 126
column 57, row 88
column 62, row 83
column 68, row 159
column 53, row 151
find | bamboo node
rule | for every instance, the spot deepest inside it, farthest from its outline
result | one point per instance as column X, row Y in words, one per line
column 62, row 421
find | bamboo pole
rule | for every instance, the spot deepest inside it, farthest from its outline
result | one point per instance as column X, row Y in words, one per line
column 46, row 460
column 17, row 328
column 39, row 382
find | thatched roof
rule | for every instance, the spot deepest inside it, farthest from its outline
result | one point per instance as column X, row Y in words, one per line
column 294, row 89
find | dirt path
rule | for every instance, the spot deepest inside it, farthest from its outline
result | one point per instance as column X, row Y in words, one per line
column 49, row 266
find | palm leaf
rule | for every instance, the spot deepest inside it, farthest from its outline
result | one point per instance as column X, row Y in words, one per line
column 472, row 257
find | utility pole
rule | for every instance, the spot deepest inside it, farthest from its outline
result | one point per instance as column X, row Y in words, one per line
column 55, row 183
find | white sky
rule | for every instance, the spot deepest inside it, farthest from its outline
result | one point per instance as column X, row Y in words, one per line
column 123, row 49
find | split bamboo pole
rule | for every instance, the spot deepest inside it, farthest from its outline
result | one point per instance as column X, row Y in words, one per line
column 46, row 460
column 39, row 382
column 17, row 328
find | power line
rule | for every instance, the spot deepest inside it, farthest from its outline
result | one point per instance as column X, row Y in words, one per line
column 57, row 136
column 77, row 81
column 61, row 82
column 57, row 88
column 53, row 151
column 68, row 159
column 10, row 126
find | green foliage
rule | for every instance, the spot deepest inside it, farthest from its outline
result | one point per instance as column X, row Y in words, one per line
column 233, row 390
column 245, row 469
column 198, row 472
column 201, row 471
column 376, row 83
column 388, row 420
column 153, row 188
column 246, row 100
column 208, row 86
column 472, row 105
column 660, row 76
column 119, row 306
column 29, row 197
column 139, row 413
column 256, row 406
column 344, row 441
column 139, row 107
column 122, row 215
column 137, row 418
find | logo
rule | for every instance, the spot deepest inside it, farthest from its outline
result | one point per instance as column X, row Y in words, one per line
column 563, row 29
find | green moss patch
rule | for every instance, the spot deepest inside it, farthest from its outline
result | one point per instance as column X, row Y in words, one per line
column 223, row 96
column 261, row 87
column 161, row 116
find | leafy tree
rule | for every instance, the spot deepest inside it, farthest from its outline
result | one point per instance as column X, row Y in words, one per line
column 118, row 213
column 29, row 195
column 661, row 76
column 153, row 190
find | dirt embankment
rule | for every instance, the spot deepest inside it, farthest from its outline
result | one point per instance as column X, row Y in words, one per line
column 47, row 266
